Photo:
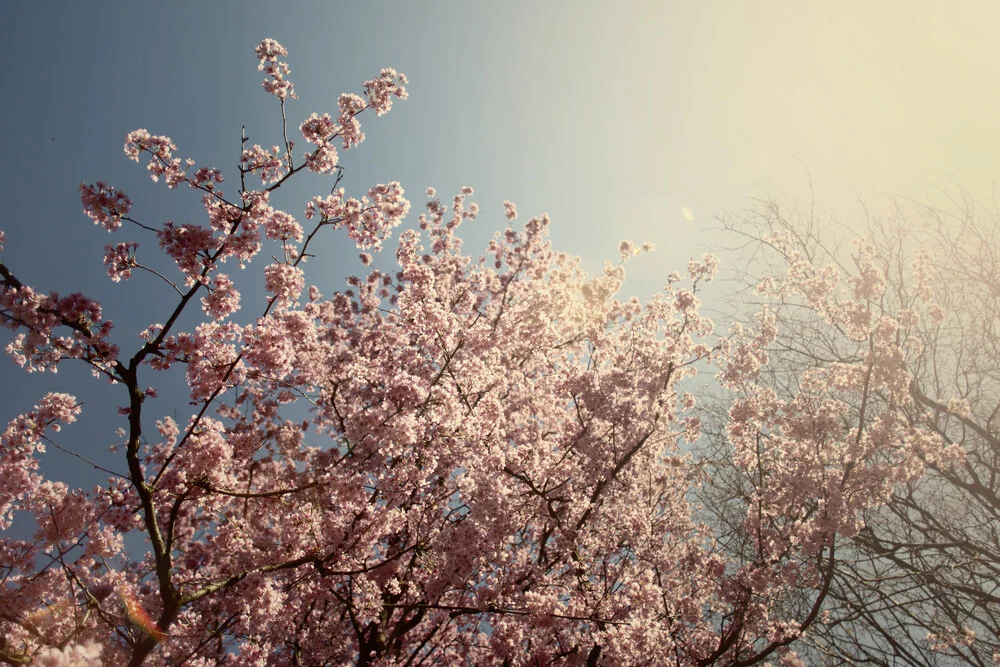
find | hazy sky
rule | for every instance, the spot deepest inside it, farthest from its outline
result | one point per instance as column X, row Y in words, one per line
column 610, row 117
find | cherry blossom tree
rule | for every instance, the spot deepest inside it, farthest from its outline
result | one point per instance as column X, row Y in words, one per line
column 466, row 460
column 917, row 583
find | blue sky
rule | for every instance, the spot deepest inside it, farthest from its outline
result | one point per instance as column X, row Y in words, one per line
column 609, row 117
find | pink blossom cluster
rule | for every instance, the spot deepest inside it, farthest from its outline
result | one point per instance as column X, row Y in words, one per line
column 368, row 220
column 19, row 444
column 272, row 342
column 212, row 357
column 319, row 131
column 869, row 282
column 285, row 282
column 267, row 55
column 959, row 407
column 380, row 90
column 947, row 641
column 705, row 269
column 827, row 466
column 40, row 345
column 268, row 165
column 205, row 459
column 223, row 299
column 237, row 230
column 162, row 162
column 282, row 226
column 104, row 205
column 350, row 106
column 626, row 249
column 119, row 258
column 191, row 246
column 206, row 178
column 510, row 210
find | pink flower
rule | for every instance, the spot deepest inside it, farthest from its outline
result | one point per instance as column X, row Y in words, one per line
column 284, row 282
column 19, row 444
column 41, row 346
column 161, row 159
column 380, row 90
column 207, row 178
column 368, row 221
column 104, row 205
column 207, row 453
column 120, row 260
column 959, row 407
column 267, row 53
column 282, row 226
column 323, row 160
column 267, row 165
column 223, row 299
column 189, row 246
column 350, row 105
column 87, row 654
column 937, row 313
column 318, row 129
column 350, row 130
column 510, row 210
column 704, row 269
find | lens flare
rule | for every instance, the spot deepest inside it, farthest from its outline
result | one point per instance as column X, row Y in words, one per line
column 138, row 615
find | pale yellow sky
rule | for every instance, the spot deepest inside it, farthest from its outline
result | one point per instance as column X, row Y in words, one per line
column 710, row 104
column 865, row 94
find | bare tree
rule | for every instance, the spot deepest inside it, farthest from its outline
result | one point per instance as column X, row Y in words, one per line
column 919, row 584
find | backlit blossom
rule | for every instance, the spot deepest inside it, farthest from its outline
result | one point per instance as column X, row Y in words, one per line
column 368, row 221
column 350, row 106
column 223, row 299
column 281, row 226
column 74, row 655
column 267, row 165
column 318, row 129
column 380, row 90
column 323, row 160
column 267, row 55
column 959, row 407
column 705, row 269
column 284, row 282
